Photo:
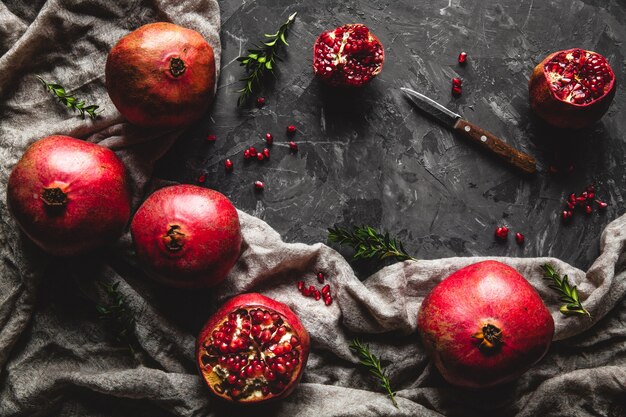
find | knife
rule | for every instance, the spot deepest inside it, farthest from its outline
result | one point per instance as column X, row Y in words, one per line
column 484, row 139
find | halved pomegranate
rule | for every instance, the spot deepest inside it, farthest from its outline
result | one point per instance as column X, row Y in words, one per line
column 253, row 349
column 484, row 325
column 572, row 88
column 349, row 55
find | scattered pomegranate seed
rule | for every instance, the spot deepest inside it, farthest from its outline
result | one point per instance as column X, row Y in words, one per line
column 571, row 205
column 269, row 138
column 201, row 179
column 572, row 198
column 260, row 101
column 300, row 285
column 252, row 151
column 588, row 209
column 567, row 215
column 211, row 138
column 306, row 292
column 246, row 154
column 462, row 58
column 502, row 232
column 320, row 277
column 328, row 301
column 228, row 164
column 325, row 289
column 266, row 152
column 259, row 185
column 317, row 295
column 456, row 82
column 591, row 188
column 293, row 146
column 602, row 205
column 291, row 129
column 260, row 156
column 456, row 91
column 519, row 238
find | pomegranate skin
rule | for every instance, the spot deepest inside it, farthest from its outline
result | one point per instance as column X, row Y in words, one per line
column 248, row 301
column 161, row 76
column 89, row 178
column 187, row 236
column 562, row 114
column 484, row 298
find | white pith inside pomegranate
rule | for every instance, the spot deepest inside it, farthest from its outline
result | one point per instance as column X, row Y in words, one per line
column 572, row 88
column 348, row 55
column 253, row 349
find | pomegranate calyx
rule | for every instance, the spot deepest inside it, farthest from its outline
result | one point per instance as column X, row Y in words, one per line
column 174, row 239
column 177, row 67
column 54, row 197
column 490, row 337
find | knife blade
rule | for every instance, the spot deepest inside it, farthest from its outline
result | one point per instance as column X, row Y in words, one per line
column 481, row 137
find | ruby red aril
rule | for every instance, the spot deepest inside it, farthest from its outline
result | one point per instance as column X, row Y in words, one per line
column 602, row 205
column 300, row 285
column 186, row 236
column 349, row 55
column 588, row 209
column 252, row 350
column 502, row 232
column 456, row 90
column 484, row 325
column 246, row 154
column 69, row 196
column 202, row 179
column 572, row 88
column 253, row 151
column 293, row 146
column 291, row 129
column 317, row 295
column 266, row 152
column 260, row 156
column 269, row 138
column 328, row 300
column 519, row 238
column 260, row 101
column 567, row 215
column 211, row 138
column 228, row 164
column 320, row 277
column 326, row 289
column 456, row 82
column 258, row 185
column 462, row 58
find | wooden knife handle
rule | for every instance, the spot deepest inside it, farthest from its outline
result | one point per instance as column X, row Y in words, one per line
column 489, row 141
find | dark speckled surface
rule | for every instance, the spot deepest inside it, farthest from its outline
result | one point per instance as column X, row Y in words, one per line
column 366, row 156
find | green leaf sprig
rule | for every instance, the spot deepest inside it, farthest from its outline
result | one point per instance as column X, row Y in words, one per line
column 372, row 363
column 262, row 59
column 69, row 100
column 368, row 243
column 569, row 294
column 118, row 314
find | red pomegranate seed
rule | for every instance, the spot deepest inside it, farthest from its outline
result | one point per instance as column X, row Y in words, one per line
column 293, row 146
column 228, row 164
column 306, row 291
column 326, row 289
column 317, row 295
column 591, row 188
column 328, row 301
column 602, row 205
column 291, row 129
column 456, row 82
column 462, row 58
column 252, row 151
column 260, row 156
column 201, row 179
column 211, row 138
column 567, row 215
column 259, row 185
column 519, row 238
column 588, row 209
column 269, row 138
column 266, row 152
column 571, row 205
column 300, row 285
column 260, row 101
column 246, row 154
column 502, row 232
column 572, row 198
column 320, row 277
column 552, row 169
column 456, row 91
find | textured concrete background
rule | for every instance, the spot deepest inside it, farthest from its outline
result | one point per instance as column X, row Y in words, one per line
column 367, row 157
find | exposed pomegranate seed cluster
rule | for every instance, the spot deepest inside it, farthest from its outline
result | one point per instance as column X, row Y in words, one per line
column 578, row 76
column 584, row 202
column 313, row 292
column 253, row 352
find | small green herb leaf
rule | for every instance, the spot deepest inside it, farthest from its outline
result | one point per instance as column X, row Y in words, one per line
column 69, row 100
column 117, row 313
column 569, row 294
column 372, row 363
column 368, row 243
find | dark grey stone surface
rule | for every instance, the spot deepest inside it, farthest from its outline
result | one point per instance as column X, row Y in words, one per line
column 367, row 157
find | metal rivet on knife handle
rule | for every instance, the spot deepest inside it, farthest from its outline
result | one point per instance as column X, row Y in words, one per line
column 489, row 141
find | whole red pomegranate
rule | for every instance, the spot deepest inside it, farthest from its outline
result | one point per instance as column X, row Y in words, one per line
column 69, row 196
column 349, row 55
column 572, row 89
column 484, row 325
column 187, row 236
column 252, row 350
column 161, row 75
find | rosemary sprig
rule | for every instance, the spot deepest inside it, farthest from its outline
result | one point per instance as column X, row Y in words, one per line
column 261, row 59
column 569, row 294
column 69, row 100
column 118, row 314
column 372, row 363
column 368, row 243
